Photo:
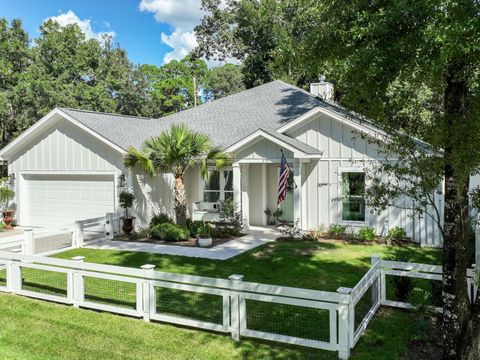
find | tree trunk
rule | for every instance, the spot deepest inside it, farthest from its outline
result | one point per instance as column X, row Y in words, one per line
column 180, row 200
column 461, row 320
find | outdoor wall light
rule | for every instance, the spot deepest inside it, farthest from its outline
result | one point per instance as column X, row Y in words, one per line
column 121, row 181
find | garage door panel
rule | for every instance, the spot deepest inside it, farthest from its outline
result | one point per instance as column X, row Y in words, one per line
column 60, row 200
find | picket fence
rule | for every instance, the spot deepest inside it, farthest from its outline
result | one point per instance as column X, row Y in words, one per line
column 332, row 321
column 54, row 241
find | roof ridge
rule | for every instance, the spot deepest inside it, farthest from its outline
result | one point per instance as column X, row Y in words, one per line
column 108, row 113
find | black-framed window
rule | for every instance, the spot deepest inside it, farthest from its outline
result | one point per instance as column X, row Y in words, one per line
column 353, row 196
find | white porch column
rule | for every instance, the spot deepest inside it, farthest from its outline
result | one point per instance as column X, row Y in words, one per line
column 245, row 203
column 264, row 193
column 237, row 186
column 297, row 193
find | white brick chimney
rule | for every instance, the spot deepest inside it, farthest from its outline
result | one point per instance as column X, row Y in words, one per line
column 322, row 89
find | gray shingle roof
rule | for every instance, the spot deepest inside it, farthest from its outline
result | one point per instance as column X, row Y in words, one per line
column 226, row 121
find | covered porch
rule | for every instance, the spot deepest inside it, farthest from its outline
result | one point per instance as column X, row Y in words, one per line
column 256, row 175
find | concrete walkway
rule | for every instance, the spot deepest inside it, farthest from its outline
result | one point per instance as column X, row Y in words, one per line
column 257, row 236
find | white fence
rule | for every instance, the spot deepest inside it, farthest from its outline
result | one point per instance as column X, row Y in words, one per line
column 331, row 321
column 53, row 241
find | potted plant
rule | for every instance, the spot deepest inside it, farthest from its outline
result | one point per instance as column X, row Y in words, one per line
column 204, row 236
column 270, row 217
column 277, row 214
column 6, row 195
column 126, row 201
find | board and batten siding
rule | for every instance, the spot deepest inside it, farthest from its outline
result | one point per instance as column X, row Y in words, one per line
column 64, row 148
column 342, row 147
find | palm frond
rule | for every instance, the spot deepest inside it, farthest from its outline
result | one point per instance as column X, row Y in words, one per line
column 135, row 157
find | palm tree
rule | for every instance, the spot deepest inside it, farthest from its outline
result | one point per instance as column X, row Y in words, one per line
column 174, row 151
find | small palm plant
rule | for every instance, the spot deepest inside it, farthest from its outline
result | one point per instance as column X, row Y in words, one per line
column 174, row 151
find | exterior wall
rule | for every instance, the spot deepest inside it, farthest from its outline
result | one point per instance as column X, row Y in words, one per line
column 262, row 150
column 63, row 148
column 343, row 148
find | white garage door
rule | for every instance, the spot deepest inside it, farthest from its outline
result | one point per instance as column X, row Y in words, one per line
column 60, row 200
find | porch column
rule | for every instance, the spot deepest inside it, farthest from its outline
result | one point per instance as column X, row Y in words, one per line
column 264, row 193
column 245, row 203
column 237, row 186
column 297, row 193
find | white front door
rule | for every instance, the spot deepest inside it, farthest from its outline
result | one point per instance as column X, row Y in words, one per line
column 51, row 200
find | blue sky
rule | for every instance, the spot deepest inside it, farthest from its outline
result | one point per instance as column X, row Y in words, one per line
column 152, row 31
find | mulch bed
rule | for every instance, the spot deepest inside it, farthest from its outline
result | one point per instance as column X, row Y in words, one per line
column 192, row 242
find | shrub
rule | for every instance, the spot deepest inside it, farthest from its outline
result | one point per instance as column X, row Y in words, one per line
column 366, row 233
column 195, row 227
column 337, row 230
column 169, row 232
column 396, row 234
column 230, row 223
column 161, row 218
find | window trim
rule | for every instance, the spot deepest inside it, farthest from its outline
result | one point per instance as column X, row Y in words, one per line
column 340, row 171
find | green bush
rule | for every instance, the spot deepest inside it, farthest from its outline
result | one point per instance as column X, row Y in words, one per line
column 170, row 232
column 195, row 226
column 161, row 218
column 396, row 234
column 337, row 229
column 366, row 233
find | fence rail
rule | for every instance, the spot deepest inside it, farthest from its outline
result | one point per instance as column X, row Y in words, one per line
column 332, row 321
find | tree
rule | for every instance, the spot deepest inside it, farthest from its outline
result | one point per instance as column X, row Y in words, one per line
column 262, row 34
column 15, row 57
column 170, row 86
column 224, row 80
column 174, row 151
column 414, row 67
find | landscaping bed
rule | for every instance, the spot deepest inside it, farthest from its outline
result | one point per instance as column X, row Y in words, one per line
column 191, row 242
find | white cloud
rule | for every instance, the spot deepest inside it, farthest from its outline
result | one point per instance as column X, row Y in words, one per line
column 85, row 25
column 183, row 16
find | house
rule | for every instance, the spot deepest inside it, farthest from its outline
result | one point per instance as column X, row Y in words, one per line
column 69, row 165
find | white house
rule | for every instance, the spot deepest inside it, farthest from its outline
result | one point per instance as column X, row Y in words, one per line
column 68, row 166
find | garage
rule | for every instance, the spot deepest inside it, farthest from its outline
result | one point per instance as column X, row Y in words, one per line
column 55, row 200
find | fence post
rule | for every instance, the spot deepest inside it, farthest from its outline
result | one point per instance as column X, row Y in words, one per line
column 109, row 231
column 235, row 313
column 14, row 276
column 345, row 320
column 146, row 293
column 376, row 289
column 78, row 235
column 29, row 246
column 77, row 289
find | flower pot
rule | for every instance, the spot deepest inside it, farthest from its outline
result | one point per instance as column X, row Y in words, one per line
column 127, row 224
column 8, row 218
column 204, row 241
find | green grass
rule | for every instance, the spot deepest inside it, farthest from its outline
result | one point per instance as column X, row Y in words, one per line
column 38, row 330
column 308, row 264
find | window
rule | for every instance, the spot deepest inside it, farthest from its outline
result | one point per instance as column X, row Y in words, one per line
column 353, row 196
column 218, row 186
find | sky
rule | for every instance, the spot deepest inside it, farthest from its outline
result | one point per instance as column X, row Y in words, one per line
column 152, row 31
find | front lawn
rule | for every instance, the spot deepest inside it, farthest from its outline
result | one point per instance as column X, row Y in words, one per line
column 324, row 265
column 316, row 265
column 38, row 330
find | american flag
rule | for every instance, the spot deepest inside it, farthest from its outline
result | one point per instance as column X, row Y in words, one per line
column 282, row 182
